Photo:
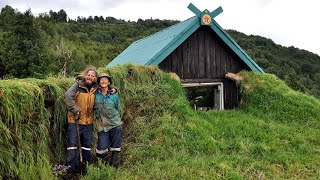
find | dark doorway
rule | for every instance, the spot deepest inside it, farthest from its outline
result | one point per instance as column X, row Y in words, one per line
column 205, row 96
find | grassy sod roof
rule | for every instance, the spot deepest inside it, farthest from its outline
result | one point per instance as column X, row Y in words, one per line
column 274, row 135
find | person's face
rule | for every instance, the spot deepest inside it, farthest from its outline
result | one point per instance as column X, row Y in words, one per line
column 90, row 77
column 104, row 82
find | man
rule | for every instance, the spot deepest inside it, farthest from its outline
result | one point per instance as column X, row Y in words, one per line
column 79, row 99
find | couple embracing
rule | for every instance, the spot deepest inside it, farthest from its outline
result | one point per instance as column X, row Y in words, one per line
column 92, row 98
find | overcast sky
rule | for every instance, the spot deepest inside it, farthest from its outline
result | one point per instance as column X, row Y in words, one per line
column 286, row 22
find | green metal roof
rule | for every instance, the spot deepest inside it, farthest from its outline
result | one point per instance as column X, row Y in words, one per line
column 155, row 48
column 148, row 50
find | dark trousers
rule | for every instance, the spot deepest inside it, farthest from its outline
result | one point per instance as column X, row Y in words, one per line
column 86, row 142
column 111, row 139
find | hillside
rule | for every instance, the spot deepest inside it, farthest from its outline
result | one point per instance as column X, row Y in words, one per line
column 273, row 135
column 299, row 68
column 41, row 46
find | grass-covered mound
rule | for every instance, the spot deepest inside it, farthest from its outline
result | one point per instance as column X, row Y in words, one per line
column 269, row 98
column 274, row 134
column 32, row 120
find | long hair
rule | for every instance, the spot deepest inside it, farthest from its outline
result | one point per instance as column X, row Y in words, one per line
column 89, row 68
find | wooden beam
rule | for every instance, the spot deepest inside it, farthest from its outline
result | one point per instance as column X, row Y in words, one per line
column 195, row 10
column 203, row 80
column 216, row 12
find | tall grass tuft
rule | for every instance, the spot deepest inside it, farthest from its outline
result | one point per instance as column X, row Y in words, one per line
column 31, row 127
column 268, row 97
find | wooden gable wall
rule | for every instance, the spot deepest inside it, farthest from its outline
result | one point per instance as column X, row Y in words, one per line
column 204, row 57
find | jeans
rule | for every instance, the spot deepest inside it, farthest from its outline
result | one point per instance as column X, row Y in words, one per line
column 111, row 139
column 86, row 142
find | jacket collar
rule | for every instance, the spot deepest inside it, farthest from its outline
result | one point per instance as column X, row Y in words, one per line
column 81, row 83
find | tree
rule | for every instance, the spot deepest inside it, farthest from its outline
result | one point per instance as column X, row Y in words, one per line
column 7, row 18
column 24, row 50
column 62, row 16
column 90, row 19
column 53, row 15
column 96, row 19
column 293, row 81
column 65, row 52
column 110, row 19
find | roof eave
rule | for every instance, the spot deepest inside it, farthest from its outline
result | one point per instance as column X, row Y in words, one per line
column 170, row 47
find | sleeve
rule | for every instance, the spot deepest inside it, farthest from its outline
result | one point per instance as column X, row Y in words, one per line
column 113, row 87
column 70, row 98
column 117, row 102
column 96, row 108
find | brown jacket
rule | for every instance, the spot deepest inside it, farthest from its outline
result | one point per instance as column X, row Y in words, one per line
column 79, row 98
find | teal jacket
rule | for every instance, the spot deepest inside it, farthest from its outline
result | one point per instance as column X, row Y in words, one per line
column 107, row 111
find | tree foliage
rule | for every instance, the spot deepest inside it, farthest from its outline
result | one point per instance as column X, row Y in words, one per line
column 298, row 68
column 28, row 46
column 23, row 47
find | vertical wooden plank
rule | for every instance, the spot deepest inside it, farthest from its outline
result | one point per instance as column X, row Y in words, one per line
column 201, row 41
column 226, row 62
column 164, row 65
column 232, row 63
column 191, row 56
column 196, row 55
column 169, row 64
column 174, row 61
column 180, row 60
column 227, row 59
column 223, row 62
column 207, row 47
column 175, row 58
column 235, row 101
column 186, row 55
column 226, row 92
column 235, row 63
column 232, row 97
column 218, row 59
column 239, row 64
column 238, row 96
column 228, row 100
column 213, row 57
column 184, row 60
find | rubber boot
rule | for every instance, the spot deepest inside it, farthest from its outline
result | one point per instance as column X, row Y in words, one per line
column 115, row 159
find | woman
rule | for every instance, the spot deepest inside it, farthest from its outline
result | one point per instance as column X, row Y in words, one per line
column 109, row 124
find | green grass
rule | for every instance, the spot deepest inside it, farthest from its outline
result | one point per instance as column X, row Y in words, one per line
column 274, row 134
column 31, row 128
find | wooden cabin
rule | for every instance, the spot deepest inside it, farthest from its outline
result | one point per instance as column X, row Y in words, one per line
column 200, row 52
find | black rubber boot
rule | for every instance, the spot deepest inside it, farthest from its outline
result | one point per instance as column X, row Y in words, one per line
column 115, row 159
column 105, row 158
